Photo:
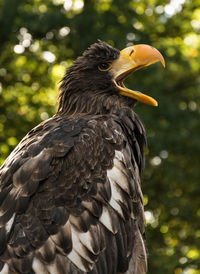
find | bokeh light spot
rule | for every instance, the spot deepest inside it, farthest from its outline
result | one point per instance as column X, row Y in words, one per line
column 44, row 115
column 155, row 161
column 164, row 229
column 49, row 56
column 193, row 254
column 18, row 49
column 67, row 5
column 64, row 31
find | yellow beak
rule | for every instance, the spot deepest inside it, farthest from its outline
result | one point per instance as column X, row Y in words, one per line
column 131, row 59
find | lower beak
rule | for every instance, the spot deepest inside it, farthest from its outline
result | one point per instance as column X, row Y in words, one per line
column 131, row 59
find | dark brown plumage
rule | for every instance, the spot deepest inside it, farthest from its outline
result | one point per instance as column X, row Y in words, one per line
column 70, row 199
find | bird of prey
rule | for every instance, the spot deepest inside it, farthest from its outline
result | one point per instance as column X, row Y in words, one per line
column 70, row 194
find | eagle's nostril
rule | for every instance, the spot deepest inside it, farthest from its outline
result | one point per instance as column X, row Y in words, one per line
column 131, row 52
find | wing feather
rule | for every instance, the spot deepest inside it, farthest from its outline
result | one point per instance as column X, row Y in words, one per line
column 70, row 199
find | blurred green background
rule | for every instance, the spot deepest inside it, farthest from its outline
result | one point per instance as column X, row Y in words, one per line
column 40, row 39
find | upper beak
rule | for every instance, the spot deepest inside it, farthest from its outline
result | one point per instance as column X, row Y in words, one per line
column 131, row 59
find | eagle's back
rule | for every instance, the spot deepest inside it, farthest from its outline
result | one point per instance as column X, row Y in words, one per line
column 70, row 199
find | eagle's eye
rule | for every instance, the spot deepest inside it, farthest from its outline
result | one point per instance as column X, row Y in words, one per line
column 104, row 66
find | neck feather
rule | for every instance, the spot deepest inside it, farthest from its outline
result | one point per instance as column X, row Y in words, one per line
column 71, row 103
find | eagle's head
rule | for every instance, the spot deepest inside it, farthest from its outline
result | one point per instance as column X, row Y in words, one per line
column 94, row 83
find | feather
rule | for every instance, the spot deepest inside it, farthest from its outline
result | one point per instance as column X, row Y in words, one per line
column 4, row 193
column 38, row 266
column 5, row 269
column 23, row 265
column 9, row 224
column 47, row 252
column 93, row 207
column 3, row 239
column 79, row 261
column 63, row 239
column 84, row 250
column 109, row 219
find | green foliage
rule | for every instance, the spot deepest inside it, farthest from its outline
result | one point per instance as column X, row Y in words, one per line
column 39, row 39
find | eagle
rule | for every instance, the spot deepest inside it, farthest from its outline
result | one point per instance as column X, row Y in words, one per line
column 70, row 192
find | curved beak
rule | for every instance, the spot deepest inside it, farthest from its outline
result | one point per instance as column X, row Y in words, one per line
column 131, row 59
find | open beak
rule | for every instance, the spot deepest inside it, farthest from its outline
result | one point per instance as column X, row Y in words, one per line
column 131, row 59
